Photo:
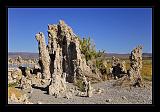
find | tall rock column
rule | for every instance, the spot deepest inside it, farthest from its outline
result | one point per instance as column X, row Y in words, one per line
column 65, row 39
column 57, row 87
column 52, row 46
column 43, row 56
column 52, row 38
column 136, row 66
column 63, row 55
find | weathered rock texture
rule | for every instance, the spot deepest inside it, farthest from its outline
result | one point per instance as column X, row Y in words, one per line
column 61, row 59
column 19, row 59
column 118, row 67
column 25, row 83
column 62, row 54
column 136, row 66
column 44, row 59
column 133, row 76
column 14, row 75
column 89, row 90
column 57, row 87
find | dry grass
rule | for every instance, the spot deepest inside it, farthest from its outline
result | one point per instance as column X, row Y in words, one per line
column 146, row 71
column 14, row 90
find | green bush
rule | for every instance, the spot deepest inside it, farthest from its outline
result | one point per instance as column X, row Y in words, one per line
column 101, row 66
column 79, row 84
column 87, row 48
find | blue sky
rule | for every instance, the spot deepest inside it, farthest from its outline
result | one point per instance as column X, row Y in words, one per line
column 116, row 30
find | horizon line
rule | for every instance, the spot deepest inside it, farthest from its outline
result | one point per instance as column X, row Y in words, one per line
column 105, row 52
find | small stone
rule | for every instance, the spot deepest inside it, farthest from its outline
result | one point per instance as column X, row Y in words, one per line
column 99, row 90
column 27, row 102
column 68, row 95
column 124, row 98
column 43, row 81
column 71, row 90
column 81, row 94
column 108, row 100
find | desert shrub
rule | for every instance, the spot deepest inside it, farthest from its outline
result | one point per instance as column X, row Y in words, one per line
column 28, row 69
column 103, row 68
column 87, row 48
column 19, row 75
column 13, row 84
column 79, row 84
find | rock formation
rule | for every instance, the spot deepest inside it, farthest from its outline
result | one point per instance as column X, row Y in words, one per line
column 133, row 76
column 136, row 66
column 61, row 59
column 123, row 67
column 89, row 90
column 14, row 75
column 19, row 59
column 44, row 58
column 64, row 51
column 118, row 68
column 115, row 61
column 85, row 84
column 25, row 83
column 57, row 87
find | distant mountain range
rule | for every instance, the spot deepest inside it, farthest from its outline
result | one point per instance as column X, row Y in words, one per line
column 22, row 54
column 35, row 55
column 126, row 55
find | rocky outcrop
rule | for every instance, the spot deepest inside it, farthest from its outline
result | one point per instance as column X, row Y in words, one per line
column 123, row 67
column 62, row 54
column 57, row 87
column 25, row 83
column 136, row 66
column 133, row 76
column 44, row 58
column 118, row 68
column 64, row 50
column 61, row 59
column 14, row 75
column 19, row 59
column 89, row 90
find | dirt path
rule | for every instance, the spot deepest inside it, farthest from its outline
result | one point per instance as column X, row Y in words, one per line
column 111, row 95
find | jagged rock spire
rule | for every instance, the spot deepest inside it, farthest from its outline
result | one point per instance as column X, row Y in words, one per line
column 44, row 58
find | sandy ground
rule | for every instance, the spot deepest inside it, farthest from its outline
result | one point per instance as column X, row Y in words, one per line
column 110, row 95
